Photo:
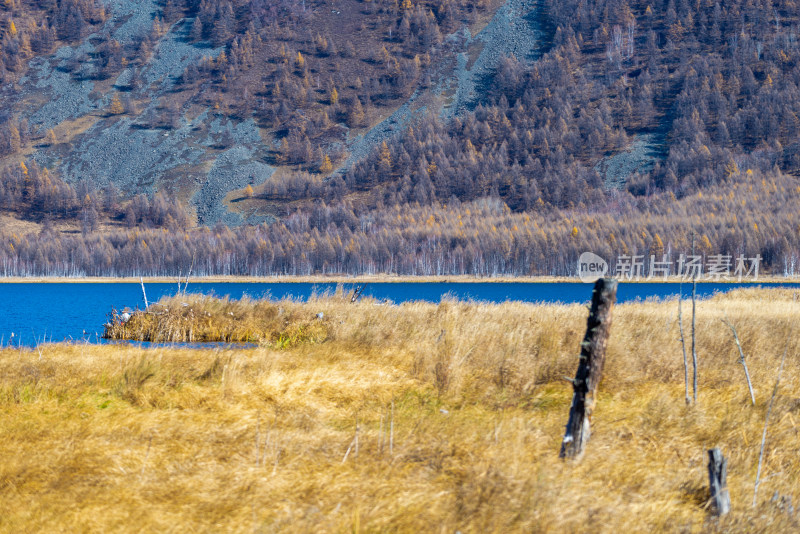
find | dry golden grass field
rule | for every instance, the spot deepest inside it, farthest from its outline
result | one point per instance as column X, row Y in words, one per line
column 409, row 418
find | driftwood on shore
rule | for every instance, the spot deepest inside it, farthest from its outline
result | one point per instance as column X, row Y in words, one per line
column 590, row 368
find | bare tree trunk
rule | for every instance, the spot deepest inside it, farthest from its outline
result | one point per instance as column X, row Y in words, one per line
column 742, row 361
column 718, row 481
column 590, row 368
column 144, row 294
column 694, row 339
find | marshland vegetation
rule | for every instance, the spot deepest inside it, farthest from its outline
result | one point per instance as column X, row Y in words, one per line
column 397, row 418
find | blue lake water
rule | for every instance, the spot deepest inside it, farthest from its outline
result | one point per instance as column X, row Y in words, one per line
column 36, row 312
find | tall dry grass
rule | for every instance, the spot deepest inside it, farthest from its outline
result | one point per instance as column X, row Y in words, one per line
column 198, row 318
column 123, row 438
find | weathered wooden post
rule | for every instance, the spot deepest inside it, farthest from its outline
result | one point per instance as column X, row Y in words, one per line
column 590, row 368
column 717, row 481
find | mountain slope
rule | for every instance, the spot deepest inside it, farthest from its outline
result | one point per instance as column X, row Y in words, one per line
column 325, row 117
column 147, row 101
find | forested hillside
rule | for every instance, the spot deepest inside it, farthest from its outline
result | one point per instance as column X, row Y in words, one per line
column 435, row 137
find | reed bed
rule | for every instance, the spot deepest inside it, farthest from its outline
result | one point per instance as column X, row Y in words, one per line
column 198, row 318
column 418, row 417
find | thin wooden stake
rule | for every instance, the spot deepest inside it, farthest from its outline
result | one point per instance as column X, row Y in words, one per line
column 694, row 339
column 258, row 439
column 187, row 277
column 742, row 361
column 683, row 346
column 717, row 481
column 590, row 368
column 144, row 293
column 146, row 456
column 380, row 434
column 391, row 433
column 349, row 448
column 766, row 421
column 277, row 457
column 273, row 444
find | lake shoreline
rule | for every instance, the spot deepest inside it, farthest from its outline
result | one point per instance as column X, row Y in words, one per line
column 368, row 279
column 64, row 309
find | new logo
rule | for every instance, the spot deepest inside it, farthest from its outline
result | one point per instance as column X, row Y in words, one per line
column 591, row 267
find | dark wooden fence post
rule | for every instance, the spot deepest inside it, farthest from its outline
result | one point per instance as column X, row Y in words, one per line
column 717, row 481
column 590, row 368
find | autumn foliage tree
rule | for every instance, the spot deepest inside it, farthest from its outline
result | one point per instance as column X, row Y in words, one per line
column 116, row 107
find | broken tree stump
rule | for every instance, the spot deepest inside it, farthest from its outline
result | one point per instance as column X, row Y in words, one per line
column 718, row 481
column 590, row 368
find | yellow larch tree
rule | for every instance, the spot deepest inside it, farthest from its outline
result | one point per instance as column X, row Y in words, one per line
column 116, row 107
column 385, row 156
column 326, row 166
